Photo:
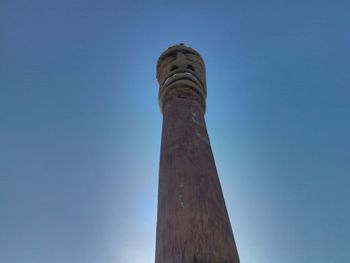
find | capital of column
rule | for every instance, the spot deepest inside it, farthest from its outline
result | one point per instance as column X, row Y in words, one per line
column 180, row 69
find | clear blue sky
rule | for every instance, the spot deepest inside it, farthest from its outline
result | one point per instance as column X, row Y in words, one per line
column 80, row 126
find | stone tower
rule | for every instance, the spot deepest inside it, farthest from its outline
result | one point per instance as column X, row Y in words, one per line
column 192, row 224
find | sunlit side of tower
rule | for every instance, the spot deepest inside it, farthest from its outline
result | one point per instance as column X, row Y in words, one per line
column 192, row 224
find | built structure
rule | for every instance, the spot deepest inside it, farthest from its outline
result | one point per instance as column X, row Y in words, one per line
column 192, row 225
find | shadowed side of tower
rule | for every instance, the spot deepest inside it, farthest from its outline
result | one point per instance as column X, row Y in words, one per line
column 192, row 224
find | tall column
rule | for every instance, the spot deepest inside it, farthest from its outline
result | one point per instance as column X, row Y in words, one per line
column 192, row 224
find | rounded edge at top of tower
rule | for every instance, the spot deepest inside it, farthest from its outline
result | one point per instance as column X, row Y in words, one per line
column 176, row 48
column 181, row 69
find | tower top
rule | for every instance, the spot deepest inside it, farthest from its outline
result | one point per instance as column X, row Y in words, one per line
column 181, row 69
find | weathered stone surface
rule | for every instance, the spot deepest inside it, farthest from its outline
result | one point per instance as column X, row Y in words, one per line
column 193, row 224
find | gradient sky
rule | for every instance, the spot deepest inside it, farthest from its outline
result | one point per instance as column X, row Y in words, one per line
column 80, row 126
